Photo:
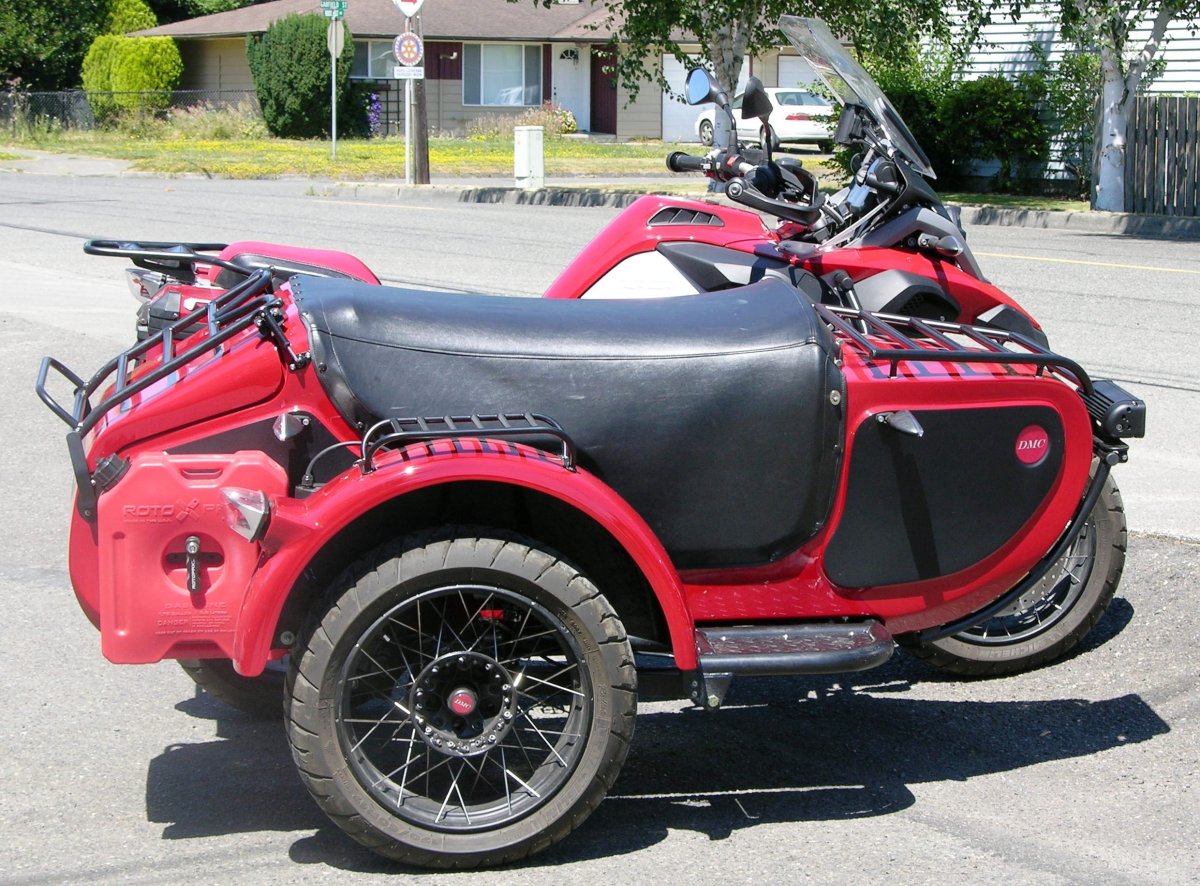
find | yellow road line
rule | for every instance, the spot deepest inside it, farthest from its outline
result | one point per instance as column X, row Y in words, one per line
column 1094, row 264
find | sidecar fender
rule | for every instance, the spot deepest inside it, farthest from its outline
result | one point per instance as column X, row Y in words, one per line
column 301, row 528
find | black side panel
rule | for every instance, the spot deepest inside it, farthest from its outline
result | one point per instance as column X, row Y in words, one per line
column 923, row 507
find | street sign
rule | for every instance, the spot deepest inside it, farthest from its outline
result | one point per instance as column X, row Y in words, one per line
column 335, row 37
column 334, row 8
column 408, row 7
column 408, row 49
column 404, row 72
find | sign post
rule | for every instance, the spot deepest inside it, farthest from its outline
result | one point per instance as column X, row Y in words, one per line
column 335, row 39
column 409, row 52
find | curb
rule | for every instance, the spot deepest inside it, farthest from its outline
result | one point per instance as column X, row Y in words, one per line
column 1167, row 227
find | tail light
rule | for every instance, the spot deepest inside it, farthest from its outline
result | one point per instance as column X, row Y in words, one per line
column 247, row 512
column 144, row 284
column 798, row 116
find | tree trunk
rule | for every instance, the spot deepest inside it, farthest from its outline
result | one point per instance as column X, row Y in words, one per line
column 1108, row 173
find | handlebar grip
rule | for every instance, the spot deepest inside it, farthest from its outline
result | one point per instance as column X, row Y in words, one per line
column 678, row 161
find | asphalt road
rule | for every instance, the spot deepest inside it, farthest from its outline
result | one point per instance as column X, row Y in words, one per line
column 1082, row 772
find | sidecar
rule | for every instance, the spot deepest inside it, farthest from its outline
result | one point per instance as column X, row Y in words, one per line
column 478, row 528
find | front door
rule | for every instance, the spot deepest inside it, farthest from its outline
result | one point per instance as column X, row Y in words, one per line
column 570, row 69
column 604, row 90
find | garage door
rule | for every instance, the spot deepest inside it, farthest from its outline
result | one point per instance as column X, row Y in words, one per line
column 794, row 71
column 679, row 119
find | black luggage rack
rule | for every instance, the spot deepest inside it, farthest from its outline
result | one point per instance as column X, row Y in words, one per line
column 247, row 304
column 893, row 340
column 529, row 426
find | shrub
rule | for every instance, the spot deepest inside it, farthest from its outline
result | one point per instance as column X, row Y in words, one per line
column 205, row 122
column 97, row 75
column 125, row 16
column 145, row 71
column 290, row 67
column 997, row 118
column 554, row 120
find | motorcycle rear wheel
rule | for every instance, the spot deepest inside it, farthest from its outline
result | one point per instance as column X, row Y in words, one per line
column 461, row 699
column 1052, row 618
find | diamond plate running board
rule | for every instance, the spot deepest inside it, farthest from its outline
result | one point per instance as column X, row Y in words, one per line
column 767, row 650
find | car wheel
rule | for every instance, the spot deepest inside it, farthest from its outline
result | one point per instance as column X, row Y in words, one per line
column 706, row 132
column 825, row 147
column 1055, row 615
column 260, row 696
column 763, row 134
column 462, row 699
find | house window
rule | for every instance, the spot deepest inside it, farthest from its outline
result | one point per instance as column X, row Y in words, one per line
column 373, row 60
column 502, row 74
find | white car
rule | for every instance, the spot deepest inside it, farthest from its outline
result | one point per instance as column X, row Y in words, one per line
column 799, row 116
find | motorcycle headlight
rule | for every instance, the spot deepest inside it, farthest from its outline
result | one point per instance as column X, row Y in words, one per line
column 247, row 512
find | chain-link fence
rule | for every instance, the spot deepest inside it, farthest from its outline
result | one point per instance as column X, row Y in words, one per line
column 76, row 109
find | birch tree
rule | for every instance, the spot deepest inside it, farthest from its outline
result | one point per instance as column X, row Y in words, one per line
column 1108, row 27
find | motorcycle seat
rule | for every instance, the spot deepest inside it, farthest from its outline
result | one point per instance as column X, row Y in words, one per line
column 710, row 414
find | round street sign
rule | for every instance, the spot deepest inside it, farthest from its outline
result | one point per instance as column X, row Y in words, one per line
column 408, row 49
column 408, row 7
column 335, row 37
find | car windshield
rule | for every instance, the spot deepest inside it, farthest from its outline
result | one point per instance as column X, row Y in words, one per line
column 850, row 84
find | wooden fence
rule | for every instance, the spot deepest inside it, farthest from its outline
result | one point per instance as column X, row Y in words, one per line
column 1162, row 156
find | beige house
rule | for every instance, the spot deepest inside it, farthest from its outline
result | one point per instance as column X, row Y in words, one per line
column 482, row 57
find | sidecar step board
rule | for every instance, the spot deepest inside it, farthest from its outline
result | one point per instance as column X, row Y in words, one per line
column 776, row 650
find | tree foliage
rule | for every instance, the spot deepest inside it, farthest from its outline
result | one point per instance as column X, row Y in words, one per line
column 729, row 30
column 42, row 42
column 1107, row 27
column 178, row 10
column 125, row 16
column 290, row 67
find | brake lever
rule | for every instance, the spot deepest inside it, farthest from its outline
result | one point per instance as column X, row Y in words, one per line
column 741, row 191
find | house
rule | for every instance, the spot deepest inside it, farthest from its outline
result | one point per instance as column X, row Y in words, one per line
column 482, row 57
column 1005, row 49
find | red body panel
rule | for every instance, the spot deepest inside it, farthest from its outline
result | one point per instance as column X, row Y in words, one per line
column 300, row 528
column 630, row 233
column 329, row 259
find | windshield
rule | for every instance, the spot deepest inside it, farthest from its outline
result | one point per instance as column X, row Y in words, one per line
column 850, row 84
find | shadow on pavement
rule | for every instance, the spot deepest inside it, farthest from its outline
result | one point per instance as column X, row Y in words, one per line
column 781, row 750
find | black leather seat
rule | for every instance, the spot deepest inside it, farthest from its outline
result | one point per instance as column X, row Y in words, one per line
column 710, row 414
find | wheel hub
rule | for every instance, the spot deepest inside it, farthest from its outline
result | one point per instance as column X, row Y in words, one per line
column 463, row 703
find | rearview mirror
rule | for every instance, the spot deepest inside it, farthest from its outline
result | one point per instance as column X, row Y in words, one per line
column 755, row 101
column 700, row 87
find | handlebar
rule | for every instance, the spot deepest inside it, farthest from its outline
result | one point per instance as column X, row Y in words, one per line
column 678, row 161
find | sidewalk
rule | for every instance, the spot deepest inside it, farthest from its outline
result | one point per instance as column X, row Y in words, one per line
column 617, row 191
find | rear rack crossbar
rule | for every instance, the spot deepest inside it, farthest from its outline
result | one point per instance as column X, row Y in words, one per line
column 884, row 341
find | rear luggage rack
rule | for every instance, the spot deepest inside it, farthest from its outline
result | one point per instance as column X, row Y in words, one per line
column 529, row 426
column 176, row 260
column 224, row 317
column 894, row 342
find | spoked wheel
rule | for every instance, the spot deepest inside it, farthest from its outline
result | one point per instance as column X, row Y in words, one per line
column 1056, row 614
column 260, row 696
column 462, row 702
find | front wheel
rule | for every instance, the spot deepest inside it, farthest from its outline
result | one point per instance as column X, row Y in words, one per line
column 1055, row 615
column 706, row 133
column 766, row 136
column 462, row 700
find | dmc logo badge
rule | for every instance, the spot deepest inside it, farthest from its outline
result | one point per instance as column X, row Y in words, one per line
column 1033, row 445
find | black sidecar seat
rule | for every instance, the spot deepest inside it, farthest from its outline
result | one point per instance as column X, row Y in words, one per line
column 710, row 414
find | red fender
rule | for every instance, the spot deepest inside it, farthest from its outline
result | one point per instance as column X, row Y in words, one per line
column 299, row 529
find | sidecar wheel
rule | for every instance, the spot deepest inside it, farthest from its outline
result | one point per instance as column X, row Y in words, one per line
column 1058, row 614
column 260, row 696
column 461, row 700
